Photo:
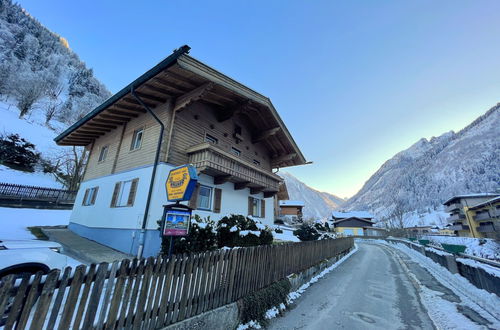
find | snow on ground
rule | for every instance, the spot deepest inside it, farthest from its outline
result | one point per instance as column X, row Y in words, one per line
column 481, row 301
column 31, row 128
column 8, row 175
column 275, row 311
column 434, row 217
column 13, row 221
column 489, row 249
column 286, row 236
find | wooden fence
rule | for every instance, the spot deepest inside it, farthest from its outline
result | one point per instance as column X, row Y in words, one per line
column 154, row 292
column 17, row 191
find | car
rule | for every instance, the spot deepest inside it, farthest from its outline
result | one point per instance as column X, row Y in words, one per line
column 30, row 256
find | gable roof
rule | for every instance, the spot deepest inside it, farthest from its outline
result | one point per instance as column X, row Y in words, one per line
column 355, row 214
column 187, row 80
column 353, row 218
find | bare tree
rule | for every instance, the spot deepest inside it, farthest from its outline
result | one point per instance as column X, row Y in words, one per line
column 70, row 167
column 54, row 103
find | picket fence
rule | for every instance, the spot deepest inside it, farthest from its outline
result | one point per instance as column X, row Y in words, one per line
column 155, row 292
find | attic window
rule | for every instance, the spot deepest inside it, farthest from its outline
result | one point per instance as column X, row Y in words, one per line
column 137, row 139
column 103, row 153
column 237, row 129
column 235, row 151
column 256, row 162
column 209, row 138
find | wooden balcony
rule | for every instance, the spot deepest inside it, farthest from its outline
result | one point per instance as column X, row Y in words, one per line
column 225, row 167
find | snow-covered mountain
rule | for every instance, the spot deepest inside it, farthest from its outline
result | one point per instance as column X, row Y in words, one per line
column 319, row 205
column 420, row 178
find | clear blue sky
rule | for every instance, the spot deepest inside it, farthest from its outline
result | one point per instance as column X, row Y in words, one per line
column 355, row 81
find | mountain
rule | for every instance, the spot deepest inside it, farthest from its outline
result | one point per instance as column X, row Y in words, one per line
column 419, row 179
column 319, row 204
column 40, row 73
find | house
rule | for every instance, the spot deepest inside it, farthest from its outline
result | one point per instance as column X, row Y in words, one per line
column 355, row 223
column 291, row 210
column 181, row 111
column 418, row 231
column 474, row 215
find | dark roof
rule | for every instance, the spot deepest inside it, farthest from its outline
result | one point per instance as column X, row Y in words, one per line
column 350, row 218
column 486, row 203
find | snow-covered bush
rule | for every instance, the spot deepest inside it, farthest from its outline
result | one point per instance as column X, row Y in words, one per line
column 238, row 230
column 278, row 231
column 202, row 237
column 307, row 232
column 18, row 153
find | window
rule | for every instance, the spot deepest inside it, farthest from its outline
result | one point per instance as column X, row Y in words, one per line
column 235, row 151
column 137, row 139
column 124, row 193
column 211, row 139
column 256, row 162
column 256, row 207
column 204, row 197
column 103, row 153
column 237, row 129
column 90, row 196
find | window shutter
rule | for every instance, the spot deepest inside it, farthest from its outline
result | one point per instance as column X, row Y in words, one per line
column 115, row 194
column 262, row 208
column 131, row 195
column 194, row 198
column 85, row 196
column 94, row 196
column 217, row 200
column 250, row 205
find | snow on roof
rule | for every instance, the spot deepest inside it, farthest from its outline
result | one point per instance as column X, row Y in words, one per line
column 470, row 196
column 352, row 214
column 489, row 201
column 291, row 203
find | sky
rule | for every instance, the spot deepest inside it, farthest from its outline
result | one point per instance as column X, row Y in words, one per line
column 354, row 81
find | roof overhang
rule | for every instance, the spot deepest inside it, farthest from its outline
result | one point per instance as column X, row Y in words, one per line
column 353, row 218
column 185, row 80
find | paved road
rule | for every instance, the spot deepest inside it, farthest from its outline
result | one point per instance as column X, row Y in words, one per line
column 370, row 290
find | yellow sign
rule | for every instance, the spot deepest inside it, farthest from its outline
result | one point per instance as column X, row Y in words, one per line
column 180, row 183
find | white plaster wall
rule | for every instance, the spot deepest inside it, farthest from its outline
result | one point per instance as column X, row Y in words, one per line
column 101, row 215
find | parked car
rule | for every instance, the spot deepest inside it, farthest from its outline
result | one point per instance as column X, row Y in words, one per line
column 30, row 256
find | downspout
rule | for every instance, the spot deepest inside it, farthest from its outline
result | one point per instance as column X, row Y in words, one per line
column 142, row 235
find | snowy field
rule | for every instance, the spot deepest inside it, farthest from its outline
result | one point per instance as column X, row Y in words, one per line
column 286, row 236
column 488, row 250
column 13, row 221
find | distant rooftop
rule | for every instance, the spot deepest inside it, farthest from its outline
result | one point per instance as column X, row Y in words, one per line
column 292, row 203
column 352, row 214
column 479, row 195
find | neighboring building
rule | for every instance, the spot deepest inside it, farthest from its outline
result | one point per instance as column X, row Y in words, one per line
column 418, row 231
column 281, row 195
column 474, row 215
column 291, row 211
column 230, row 133
column 446, row 231
column 355, row 223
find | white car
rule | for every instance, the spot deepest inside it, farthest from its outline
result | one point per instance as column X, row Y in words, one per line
column 30, row 256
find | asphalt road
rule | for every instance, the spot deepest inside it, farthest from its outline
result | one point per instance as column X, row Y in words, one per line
column 369, row 290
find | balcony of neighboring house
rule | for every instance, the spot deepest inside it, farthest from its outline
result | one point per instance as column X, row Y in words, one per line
column 456, row 217
column 481, row 216
column 487, row 227
column 226, row 167
column 453, row 207
column 458, row 226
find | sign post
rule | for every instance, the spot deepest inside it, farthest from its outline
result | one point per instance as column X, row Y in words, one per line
column 180, row 185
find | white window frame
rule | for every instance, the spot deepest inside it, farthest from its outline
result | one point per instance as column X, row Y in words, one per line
column 256, row 205
column 210, row 198
column 137, row 143
column 235, row 151
column 103, row 153
column 123, row 193
column 90, row 195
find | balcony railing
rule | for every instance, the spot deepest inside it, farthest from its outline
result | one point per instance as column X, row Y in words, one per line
column 218, row 163
column 453, row 207
column 482, row 216
column 459, row 227
column 456, row 217
column 489, row 228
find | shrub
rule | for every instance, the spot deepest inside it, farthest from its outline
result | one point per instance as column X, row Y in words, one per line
column 319, row 226
column 307, row 232
column 279, row 221
column 18, row 153
column 253, row 307
column 238, row 230
column 278, row 231
column 202, row 237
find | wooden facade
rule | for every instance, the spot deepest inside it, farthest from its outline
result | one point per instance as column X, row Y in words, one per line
column 196, row 104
